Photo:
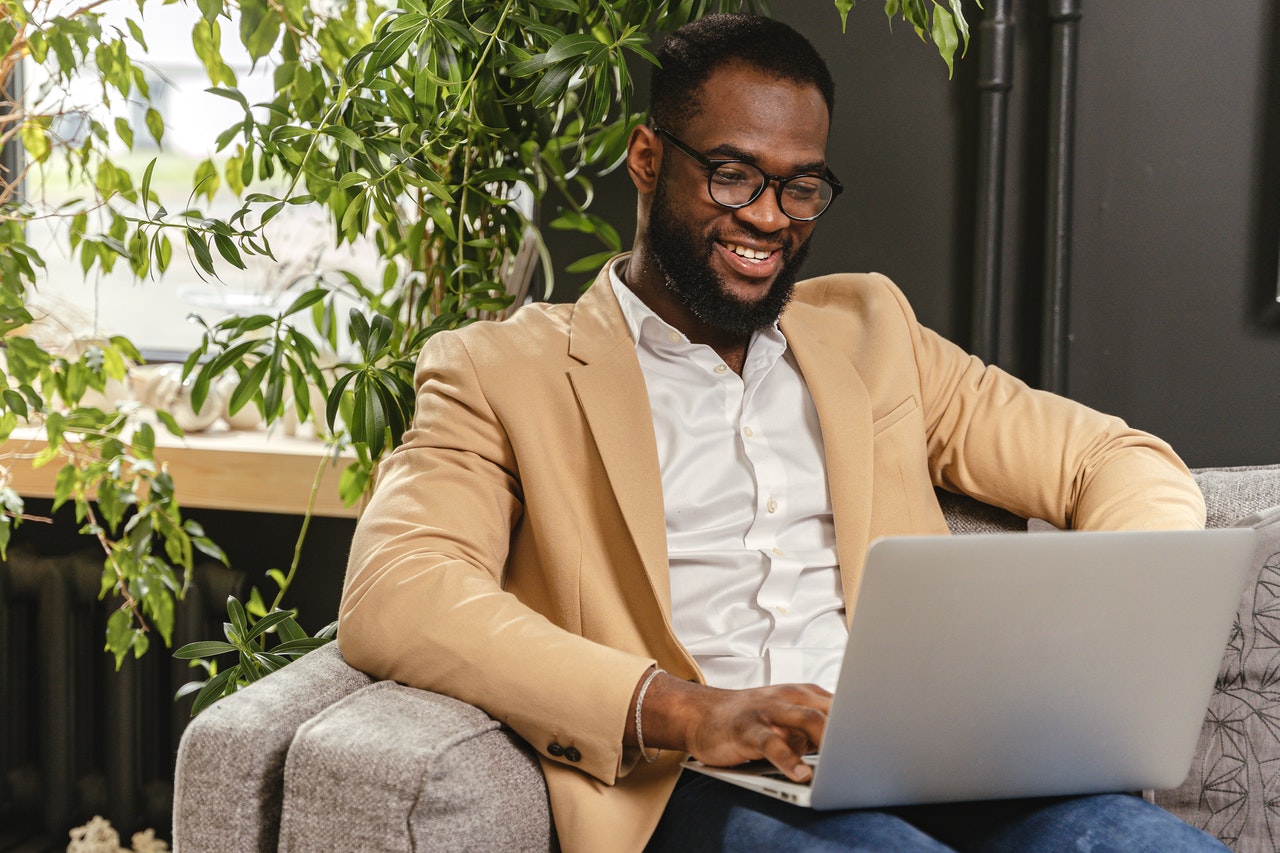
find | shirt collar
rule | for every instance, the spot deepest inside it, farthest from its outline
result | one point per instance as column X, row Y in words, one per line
column 634, row 311
column 650, row 330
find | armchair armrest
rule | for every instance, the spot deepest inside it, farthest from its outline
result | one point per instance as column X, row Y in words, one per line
column 317, row 756
column 228, row 784
column 394, row 768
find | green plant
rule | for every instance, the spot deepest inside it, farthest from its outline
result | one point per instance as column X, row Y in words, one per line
column 438, row 129
column 249, row 640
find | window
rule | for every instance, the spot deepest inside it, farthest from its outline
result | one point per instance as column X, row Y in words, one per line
column 153, row 313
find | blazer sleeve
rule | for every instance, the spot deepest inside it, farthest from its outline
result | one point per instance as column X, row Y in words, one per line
column 1041, row 455
column 423, row 602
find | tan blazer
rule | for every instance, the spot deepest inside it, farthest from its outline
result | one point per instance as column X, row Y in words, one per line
column 514, row 552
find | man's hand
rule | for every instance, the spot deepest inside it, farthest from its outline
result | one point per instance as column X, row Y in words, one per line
column 726, row 727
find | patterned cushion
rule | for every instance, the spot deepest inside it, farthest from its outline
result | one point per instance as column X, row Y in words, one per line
column 1233, row 789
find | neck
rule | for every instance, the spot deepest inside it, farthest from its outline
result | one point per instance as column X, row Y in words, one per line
column 645, row 279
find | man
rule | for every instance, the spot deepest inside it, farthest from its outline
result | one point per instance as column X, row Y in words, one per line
column 631, row 528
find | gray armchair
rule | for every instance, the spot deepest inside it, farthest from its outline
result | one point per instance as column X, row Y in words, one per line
column 317, row 757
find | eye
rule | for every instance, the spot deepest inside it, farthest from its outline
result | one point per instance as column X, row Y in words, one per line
column 804, row 189
column 733, row 175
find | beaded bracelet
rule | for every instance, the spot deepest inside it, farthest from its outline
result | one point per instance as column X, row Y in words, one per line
column 639, row 728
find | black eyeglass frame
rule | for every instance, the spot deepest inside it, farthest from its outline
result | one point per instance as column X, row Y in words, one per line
column 778, row 181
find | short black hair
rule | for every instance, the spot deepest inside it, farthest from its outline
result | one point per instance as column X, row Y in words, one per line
column 694, row 51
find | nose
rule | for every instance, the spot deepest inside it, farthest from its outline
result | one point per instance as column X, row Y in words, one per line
column 764, row 214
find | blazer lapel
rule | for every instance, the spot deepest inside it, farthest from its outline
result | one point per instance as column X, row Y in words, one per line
column 844, row 413
column 611, row 391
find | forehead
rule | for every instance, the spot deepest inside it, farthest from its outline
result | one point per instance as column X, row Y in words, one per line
column 744, row 111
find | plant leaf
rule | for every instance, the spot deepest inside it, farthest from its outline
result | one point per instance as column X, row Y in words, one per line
column 214, row 689
column 345, row 135
column 203, row 649
column 195, row 242
column 271, row 620
column 843, row 7
column 944, row 36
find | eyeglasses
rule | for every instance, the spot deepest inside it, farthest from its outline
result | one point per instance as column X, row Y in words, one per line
column 737, row 183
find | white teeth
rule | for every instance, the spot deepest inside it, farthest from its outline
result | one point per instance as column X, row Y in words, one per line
column 745, row 252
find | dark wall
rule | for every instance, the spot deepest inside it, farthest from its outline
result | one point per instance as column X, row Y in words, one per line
column 1176, row 237
column 1170, row 317
column 902, row 142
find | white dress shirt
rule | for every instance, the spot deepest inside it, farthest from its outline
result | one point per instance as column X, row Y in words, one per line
column 755, row 584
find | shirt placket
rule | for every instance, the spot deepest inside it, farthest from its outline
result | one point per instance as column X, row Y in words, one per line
column 776, row 594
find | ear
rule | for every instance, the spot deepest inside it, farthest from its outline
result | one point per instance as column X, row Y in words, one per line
column 644, row 157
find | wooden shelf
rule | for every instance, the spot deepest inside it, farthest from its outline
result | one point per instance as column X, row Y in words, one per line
column 250, row 471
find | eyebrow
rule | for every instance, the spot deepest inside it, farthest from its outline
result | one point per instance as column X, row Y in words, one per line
column 726, row 151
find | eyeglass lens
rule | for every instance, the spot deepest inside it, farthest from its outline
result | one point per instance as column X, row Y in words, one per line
column 801, row 197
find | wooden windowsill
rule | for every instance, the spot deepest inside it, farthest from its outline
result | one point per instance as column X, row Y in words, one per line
column 251, row 471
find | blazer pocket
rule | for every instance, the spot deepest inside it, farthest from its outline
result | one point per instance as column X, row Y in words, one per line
column 894, row 415
column 904, row 501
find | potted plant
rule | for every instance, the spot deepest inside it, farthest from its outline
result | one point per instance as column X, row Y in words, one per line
column 441, row 131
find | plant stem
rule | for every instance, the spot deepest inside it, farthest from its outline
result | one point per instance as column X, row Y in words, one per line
column 302, row 535
column 468, row 156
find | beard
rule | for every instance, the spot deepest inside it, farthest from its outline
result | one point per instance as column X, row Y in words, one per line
column 686, row 265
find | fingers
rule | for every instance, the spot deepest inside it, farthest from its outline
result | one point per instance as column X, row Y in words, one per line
column 782, row 754
column 796, row 732
column 781, row 724
column 801, row 727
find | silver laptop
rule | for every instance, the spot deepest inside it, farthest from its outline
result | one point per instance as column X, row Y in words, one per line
column 999, row 666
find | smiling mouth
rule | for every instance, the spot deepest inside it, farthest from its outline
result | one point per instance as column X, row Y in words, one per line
column 748, row 252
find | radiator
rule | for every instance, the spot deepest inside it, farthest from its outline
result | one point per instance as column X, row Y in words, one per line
column 77, row 737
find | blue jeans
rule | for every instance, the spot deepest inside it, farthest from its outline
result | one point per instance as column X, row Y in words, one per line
column 706, row 815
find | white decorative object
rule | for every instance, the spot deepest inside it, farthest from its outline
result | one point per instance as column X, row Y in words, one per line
column 248, row 418
column 99, row 836
column 161, row 387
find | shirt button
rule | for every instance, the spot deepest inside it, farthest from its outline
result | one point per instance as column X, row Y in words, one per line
column 722, row 369
column 772, row 505
column 747, row 432
column 781, row 609
column 778, row 552
column 555, row 749
column 674, row 337
column 571, row 754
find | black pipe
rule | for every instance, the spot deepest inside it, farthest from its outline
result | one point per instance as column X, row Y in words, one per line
column 995, row 79
column 1064, row 18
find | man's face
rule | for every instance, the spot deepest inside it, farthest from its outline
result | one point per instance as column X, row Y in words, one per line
column 686, row 256
column 734, row 269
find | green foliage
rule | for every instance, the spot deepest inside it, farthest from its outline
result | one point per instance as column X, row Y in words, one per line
column 944, row 25
column 247, row 631
column 107, row 469
column 437, row 130
column 106, row 465
column 248, row 638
